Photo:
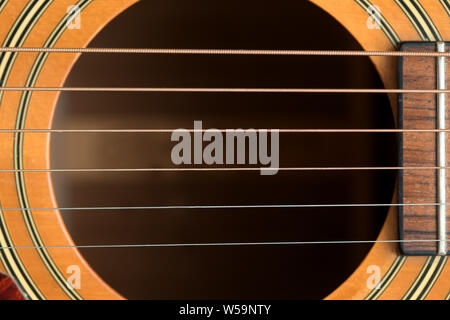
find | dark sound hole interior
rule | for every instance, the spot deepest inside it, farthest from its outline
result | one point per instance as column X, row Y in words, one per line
column 260, row 272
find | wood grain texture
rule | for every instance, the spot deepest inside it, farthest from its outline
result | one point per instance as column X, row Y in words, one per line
column 418, row 149
column 9, row 289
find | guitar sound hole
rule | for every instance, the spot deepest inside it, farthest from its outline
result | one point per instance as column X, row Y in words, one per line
column 260, row 272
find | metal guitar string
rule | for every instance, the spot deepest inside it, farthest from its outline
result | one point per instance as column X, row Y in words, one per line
column 221, row 90
column 219, row 130
column 230, row 52
column 215, row 244
column 251, row 206
column 220, row 169
column 224, row 90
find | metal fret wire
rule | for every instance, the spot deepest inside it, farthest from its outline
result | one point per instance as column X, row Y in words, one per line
column 273, row 90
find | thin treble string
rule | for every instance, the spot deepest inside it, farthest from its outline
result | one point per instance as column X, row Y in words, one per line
column 257, row 206
column 222, row 169
column 218, row 244
column 222, row 90
column 230, row 52
column 219, row 130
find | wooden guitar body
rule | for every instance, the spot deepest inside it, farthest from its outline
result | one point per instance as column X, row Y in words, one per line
column 42, row 271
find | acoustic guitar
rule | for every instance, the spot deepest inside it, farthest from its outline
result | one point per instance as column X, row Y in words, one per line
column 341, row 192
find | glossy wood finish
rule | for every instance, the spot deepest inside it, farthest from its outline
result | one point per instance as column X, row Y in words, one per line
column 8, row 289
column 418, row 111
column 43, row 272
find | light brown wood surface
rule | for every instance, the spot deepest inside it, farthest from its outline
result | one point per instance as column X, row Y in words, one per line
column 400, row 275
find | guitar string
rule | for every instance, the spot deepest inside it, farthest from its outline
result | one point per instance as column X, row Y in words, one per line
column 240, row 52
column 228, row 243
column 256, row 206
column 229, row 52
column 222, row 90
column 218, row 244
column 239, row 169
column 222, row 130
